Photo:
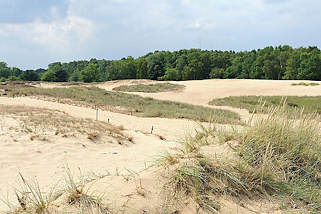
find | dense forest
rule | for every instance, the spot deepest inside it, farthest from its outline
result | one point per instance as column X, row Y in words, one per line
column 282, row 62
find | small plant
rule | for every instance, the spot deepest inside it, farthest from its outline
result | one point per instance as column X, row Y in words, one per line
column 78, row 195
column 31, row 198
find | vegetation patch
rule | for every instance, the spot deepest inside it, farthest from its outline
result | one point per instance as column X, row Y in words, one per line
column 305, row 84
column 252, row 103
column 274, row 157
column 74, row 196
column 150, row 88
column 134, row 104
column 40, row 120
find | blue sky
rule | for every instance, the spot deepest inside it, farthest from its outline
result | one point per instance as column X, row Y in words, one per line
column 34, row 33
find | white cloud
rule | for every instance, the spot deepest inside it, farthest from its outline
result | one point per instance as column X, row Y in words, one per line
column 56, row 35
column 186, row 2
column 196, row 24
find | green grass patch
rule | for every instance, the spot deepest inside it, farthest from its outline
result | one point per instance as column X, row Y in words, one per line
column 137, row 105
column 305, row 84
column 150, row 88
column 308, row 103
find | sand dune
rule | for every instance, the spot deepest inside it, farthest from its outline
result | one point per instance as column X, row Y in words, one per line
column 200, row 92
column 47, row 159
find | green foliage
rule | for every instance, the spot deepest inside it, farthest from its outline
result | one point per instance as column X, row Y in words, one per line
column 90, row 73
column 55, row 73
column 170, row 74
column 49, row 76
column 30, row 75
column 75, row 76
column 13, row 78
column 142, row 69
column 217, row 73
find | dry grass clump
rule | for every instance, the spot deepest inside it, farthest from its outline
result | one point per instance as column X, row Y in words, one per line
column 276, row 156
column 74, row 197
column 291, row 146
column 305, row 84
column 31, row 199
column 289, row 149
column 93, row 135
column 150, row 88
column 204, row 179
column 78, row 195
column 131, row 104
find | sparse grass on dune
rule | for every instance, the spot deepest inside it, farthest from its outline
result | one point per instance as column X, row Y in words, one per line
column 70, row 197
column 40, row 120
column 275, row 157
column 309, row 103
column 150, row 88
column 137, row 105
column 305, row 84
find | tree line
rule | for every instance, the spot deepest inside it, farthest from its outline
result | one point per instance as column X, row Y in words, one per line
column 281, row 62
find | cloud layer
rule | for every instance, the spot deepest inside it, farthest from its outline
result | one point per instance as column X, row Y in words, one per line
column 34, row 33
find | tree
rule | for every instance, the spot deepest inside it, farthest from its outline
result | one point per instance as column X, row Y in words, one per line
column 75, row 76
column 48, row 76
column 217, row 73
column 292, row 67
column 170, row 74
column 30, row 75
column 113, row 71
column 60, row 74
column 142, row 69
column 4, row 70
column 156, row 65
column 187, row 73
column 90, row 73
column 310, row 66
column 16, row 72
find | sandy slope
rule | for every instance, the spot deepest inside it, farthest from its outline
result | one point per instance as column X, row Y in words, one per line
column 47, row 159
column 171, row 129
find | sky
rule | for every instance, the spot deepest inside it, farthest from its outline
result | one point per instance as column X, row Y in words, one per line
column 34, row 33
